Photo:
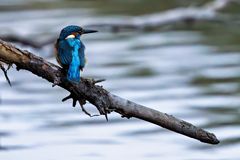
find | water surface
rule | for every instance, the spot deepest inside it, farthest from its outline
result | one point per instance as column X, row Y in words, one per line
column 190, row 72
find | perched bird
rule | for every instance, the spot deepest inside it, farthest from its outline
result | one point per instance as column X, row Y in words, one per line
column 70, row 51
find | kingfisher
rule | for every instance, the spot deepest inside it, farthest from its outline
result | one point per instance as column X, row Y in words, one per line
column 70, row 51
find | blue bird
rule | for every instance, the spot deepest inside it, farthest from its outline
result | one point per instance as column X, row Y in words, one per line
column 70, row 51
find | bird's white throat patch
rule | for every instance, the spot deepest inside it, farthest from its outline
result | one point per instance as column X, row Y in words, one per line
column 70, row 36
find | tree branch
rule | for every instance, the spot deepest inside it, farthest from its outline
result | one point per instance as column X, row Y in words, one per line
column 104, row 101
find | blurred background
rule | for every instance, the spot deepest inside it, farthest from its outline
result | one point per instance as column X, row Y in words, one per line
column 189, row 71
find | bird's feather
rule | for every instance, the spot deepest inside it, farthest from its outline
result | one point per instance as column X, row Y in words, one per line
column 81, row 53
column 71, row 56
column 73, row 71
column 65, row 52
column 70, row 36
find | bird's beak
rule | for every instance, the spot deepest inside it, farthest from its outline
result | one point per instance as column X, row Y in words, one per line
column 86, row 31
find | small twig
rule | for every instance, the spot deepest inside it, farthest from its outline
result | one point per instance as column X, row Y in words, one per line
column 86, row 112
column 82, row 102
column 98, row 81
column 71, row 96
column 9, row 66
column 66, row 98
column 5, row 73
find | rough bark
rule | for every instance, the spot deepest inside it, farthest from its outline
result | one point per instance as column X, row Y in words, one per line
column 97, row 95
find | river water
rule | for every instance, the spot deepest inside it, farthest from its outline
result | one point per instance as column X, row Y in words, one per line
column 191, row 72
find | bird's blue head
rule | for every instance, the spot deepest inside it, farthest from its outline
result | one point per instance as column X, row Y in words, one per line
column 75, row 31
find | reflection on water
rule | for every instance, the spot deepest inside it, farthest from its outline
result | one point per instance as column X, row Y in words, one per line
column 193, row 73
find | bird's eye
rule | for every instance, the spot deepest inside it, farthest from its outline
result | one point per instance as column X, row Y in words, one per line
column 70, row 36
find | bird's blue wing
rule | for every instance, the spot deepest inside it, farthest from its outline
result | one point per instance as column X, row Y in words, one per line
column 81, row 54
column 64, row 52
column 65, row 48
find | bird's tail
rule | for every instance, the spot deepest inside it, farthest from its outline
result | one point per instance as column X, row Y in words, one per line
column 73, row 73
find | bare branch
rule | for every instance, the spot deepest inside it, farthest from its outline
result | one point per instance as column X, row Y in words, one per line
column 103, row 100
